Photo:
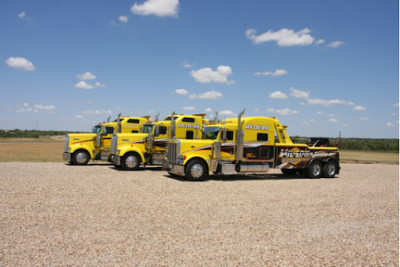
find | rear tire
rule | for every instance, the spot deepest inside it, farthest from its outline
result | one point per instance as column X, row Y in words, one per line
column 130, row 162
column 315, row 170
column 196, row 170
column 80, row 157
column 330, row 169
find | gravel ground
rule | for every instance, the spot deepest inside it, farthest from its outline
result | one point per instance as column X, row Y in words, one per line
column 55, row 214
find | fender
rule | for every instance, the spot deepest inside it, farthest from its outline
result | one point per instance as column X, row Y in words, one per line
column 136, row 149
column 87, row 146
column 185, row 162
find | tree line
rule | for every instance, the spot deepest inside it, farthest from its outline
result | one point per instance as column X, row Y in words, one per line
column 365, row 144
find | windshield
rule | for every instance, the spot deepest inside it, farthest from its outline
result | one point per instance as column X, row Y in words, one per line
column 210, row 133
column 147, row 128
column 96, row 129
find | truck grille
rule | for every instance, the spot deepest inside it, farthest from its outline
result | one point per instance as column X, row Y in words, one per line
column 114, row 144
column 66, row 143
column 172, row 152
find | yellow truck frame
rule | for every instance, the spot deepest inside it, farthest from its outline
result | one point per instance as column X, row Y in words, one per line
column 128, row 151
column 248, row 145
column 81, row 147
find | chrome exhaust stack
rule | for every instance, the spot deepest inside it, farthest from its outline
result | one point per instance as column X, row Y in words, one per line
column 239, row 139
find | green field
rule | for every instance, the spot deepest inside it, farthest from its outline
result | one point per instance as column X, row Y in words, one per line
column 50, row 150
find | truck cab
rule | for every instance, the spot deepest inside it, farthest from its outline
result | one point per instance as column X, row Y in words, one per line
column 128, row 151
column 81, row 147
column 247, row 145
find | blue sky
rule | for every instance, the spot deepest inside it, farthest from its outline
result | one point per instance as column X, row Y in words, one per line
column 319, row 66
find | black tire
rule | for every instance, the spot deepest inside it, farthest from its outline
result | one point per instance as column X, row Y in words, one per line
column 315, row 170
column 80, row 157
column 130, row 161
column 196, row 170
column 330, row 169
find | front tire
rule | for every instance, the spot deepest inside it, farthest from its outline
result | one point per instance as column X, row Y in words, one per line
column 80, row 157
column 130, row 162
column 196, row 170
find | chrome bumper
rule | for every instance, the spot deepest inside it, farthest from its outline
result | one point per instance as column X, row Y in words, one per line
column 67, row 156
column 173, row 168
column 116, row 160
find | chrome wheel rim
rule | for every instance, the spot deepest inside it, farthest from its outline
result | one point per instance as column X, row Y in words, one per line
column 197, row 171
column 316, row 170
column 81, row 157
column 331, row 169
column 131, row 162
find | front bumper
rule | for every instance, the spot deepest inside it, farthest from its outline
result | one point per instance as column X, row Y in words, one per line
column 174, row 168
column 67, row 156
column 116, row 160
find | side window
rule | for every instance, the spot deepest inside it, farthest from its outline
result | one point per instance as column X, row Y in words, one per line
column 262, row 137
column 229, row 135
column 135, row 131
column 188, row 120
column 163, row 130
column 135, row 121
column 189, row 134
column 109, row 130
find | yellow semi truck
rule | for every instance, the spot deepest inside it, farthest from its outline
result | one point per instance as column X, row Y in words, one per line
column 81, row 147
column 248, row 145
column 128, row 151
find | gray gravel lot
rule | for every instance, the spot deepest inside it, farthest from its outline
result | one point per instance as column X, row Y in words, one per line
column 55, row 214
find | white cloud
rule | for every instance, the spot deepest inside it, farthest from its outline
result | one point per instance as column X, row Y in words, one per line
column 277, row 72
column 335, row 44
column 187, row 65
column 98, row 84
column 278, row 95
column 207, row 75
column 161, row 8
column 212, row 95
column 328, row 103
column 299, row 94
column 359, row 108
column 226, row 112
column 283, row 37
column 123, row 19
column 333, row 120
column 78, row 117
column 22, row 14
column 86, row 76
column 20, row 63
column 36, row 108
column 44, row 108
column 208, row 110
column 181, row 92
column 97, row 112
column 283, row 112
column 364, row 119
column 189, row 108
column 389, row 124
column 84, row 85
column 320, row 41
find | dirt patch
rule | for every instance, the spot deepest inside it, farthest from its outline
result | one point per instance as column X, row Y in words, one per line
column 56, row 214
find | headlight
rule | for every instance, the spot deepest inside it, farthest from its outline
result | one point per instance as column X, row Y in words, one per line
column 180, row 159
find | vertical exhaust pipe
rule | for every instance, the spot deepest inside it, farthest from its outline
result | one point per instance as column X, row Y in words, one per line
column 119, row 123
column 239, row 139
column 173, row 126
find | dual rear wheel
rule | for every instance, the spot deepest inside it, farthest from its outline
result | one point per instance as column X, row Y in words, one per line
column 317, row 170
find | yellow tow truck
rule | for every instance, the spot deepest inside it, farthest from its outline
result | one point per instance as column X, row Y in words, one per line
column 248, row 145
column 81, row 147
